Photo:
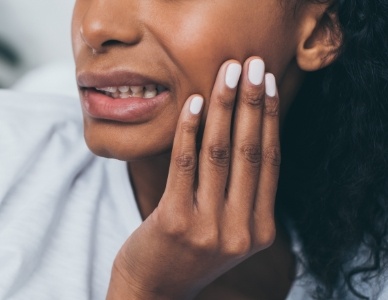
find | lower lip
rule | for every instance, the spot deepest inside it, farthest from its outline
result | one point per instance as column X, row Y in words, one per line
column 130, row 110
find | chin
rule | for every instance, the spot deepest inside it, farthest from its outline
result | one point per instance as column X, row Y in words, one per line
column 126, row 144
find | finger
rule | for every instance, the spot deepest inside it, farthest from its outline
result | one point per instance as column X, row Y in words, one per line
column 184, row 155
column 215, row 149
column 270, row 163
column 246, row 142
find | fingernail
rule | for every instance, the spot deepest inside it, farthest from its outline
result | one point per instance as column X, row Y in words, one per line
column 256, row 71
column 196, row 105
column 232, row 76
column 270, row 85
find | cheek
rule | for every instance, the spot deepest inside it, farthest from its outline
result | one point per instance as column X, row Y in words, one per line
column 197, row 44
column 200, row 42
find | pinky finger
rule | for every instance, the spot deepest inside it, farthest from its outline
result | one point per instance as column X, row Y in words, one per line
column 270, row 165
column 183, row 165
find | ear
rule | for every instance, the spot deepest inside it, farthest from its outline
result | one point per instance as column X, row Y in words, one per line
column 320, row 37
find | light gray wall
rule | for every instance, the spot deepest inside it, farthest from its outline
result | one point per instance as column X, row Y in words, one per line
column 38, row 31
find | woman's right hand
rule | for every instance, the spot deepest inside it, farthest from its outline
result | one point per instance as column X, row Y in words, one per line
column 218, row 206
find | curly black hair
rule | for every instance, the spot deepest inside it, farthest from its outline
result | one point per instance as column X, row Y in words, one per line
column 333, row 185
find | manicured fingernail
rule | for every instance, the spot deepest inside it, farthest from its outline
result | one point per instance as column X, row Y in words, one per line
column 232, row 76
column 270, row 85
column 196, row 105
column 256, row 71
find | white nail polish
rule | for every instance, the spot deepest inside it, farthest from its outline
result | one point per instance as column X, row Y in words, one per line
column 196, row 105
column 232, row 75
column 270, row 85
column 256, row 71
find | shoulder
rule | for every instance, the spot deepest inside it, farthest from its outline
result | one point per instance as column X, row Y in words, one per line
column 32, row 122
column 57, row 201
column 38, row 134
column 31, row 118
column 14, row 105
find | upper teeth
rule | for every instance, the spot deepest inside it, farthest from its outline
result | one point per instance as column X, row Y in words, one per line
column 148, row 91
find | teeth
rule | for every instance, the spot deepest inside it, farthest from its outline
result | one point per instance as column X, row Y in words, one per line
column 150, row 94
column 124, row 89
column 150, row 91
column 110, row 89
column 137, row 89
column 124, row 95
column 124, row 92
column 138, row 95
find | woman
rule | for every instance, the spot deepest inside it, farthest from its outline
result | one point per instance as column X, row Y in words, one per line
column 179, row 90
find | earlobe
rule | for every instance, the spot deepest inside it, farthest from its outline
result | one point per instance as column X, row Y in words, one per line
column 320, row 40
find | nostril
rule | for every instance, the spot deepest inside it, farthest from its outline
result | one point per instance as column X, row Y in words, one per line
column 111, row 43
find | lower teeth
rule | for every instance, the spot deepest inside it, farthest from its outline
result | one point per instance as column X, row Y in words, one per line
column 147, row 92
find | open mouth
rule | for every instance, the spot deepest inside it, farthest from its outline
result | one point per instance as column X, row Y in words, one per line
column 125, row 92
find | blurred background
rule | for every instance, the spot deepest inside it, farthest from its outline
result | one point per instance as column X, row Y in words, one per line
column 35, row 46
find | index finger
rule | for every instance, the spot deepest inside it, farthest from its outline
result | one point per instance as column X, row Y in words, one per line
column 183, row 163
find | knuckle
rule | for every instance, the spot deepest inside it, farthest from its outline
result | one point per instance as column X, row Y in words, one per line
column 176, row 227
column 225, row 101
column 206, row 242
column 272, row 156
column 189, row 127
column 272, row 106
column 252, row 153
column 252, row 98
column 266, row 237
column 219, row 155
column 186, row 163
column 239, row 246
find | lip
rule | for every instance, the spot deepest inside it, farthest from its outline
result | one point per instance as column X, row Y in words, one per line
column 115, row 78
column 130, row 110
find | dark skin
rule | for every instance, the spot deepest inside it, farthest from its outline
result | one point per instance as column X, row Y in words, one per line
column 265, row 117
column 229, row 241
column 266, row 275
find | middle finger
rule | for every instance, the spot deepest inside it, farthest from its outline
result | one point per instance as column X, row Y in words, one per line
column 246, row 142
column 214, row 157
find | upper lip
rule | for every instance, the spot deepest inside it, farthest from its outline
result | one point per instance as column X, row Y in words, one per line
column 90, row 79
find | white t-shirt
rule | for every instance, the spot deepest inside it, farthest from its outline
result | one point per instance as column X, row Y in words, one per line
column 64, row 213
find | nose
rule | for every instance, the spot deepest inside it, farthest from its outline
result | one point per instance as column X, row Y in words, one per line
column 108, row 23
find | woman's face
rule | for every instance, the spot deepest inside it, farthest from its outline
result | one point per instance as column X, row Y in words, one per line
column 177, row 45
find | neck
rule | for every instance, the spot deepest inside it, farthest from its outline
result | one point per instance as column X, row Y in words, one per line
column 149, row 177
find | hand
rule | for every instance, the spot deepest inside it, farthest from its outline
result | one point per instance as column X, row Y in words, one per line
column 218, row 206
